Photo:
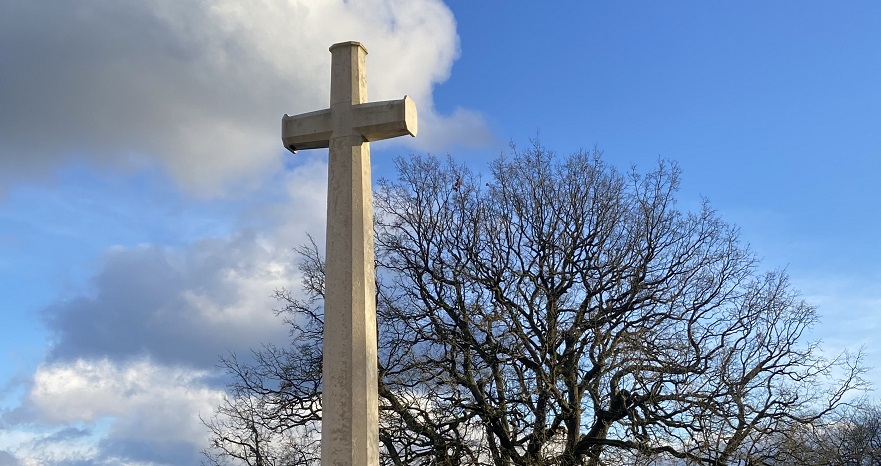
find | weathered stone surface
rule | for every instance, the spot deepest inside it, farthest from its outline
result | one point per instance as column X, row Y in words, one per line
column 350, row 417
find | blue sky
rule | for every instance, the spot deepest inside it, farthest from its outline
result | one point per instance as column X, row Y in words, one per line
column 148, row 210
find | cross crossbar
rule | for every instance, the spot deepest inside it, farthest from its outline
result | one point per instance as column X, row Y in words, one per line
column 374, row 121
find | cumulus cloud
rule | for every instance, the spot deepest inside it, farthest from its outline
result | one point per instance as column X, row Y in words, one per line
column 151, row 396
column 200, row 87
column 187, row 305
column 180, row 306
column 131, row 365
column 137, row 358
column 142, row 413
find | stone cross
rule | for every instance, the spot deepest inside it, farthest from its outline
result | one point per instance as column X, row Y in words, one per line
column 350, row 410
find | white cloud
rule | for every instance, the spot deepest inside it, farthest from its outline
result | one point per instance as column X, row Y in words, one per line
column 189, row 304
column 177, row 305
column 201, row 86
column 136, row 412
column 158, row 403
column 132, row 360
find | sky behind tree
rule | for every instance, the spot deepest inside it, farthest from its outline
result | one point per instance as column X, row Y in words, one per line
column 148, row 210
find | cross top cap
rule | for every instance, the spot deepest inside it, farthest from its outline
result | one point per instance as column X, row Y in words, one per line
column 350, row 43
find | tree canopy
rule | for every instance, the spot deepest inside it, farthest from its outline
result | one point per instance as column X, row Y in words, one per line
column 557, row 312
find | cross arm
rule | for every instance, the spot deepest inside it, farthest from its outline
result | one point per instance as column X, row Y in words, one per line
column 373, row 121
column 384, row 120
column 307, row 131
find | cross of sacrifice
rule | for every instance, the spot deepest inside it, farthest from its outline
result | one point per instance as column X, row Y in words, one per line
column 350, row 410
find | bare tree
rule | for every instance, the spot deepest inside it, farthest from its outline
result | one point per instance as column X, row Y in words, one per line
column 271, row 415
column 852, row 438
column 564, row 313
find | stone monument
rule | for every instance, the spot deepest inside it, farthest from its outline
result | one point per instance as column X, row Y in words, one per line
column 350, row 410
